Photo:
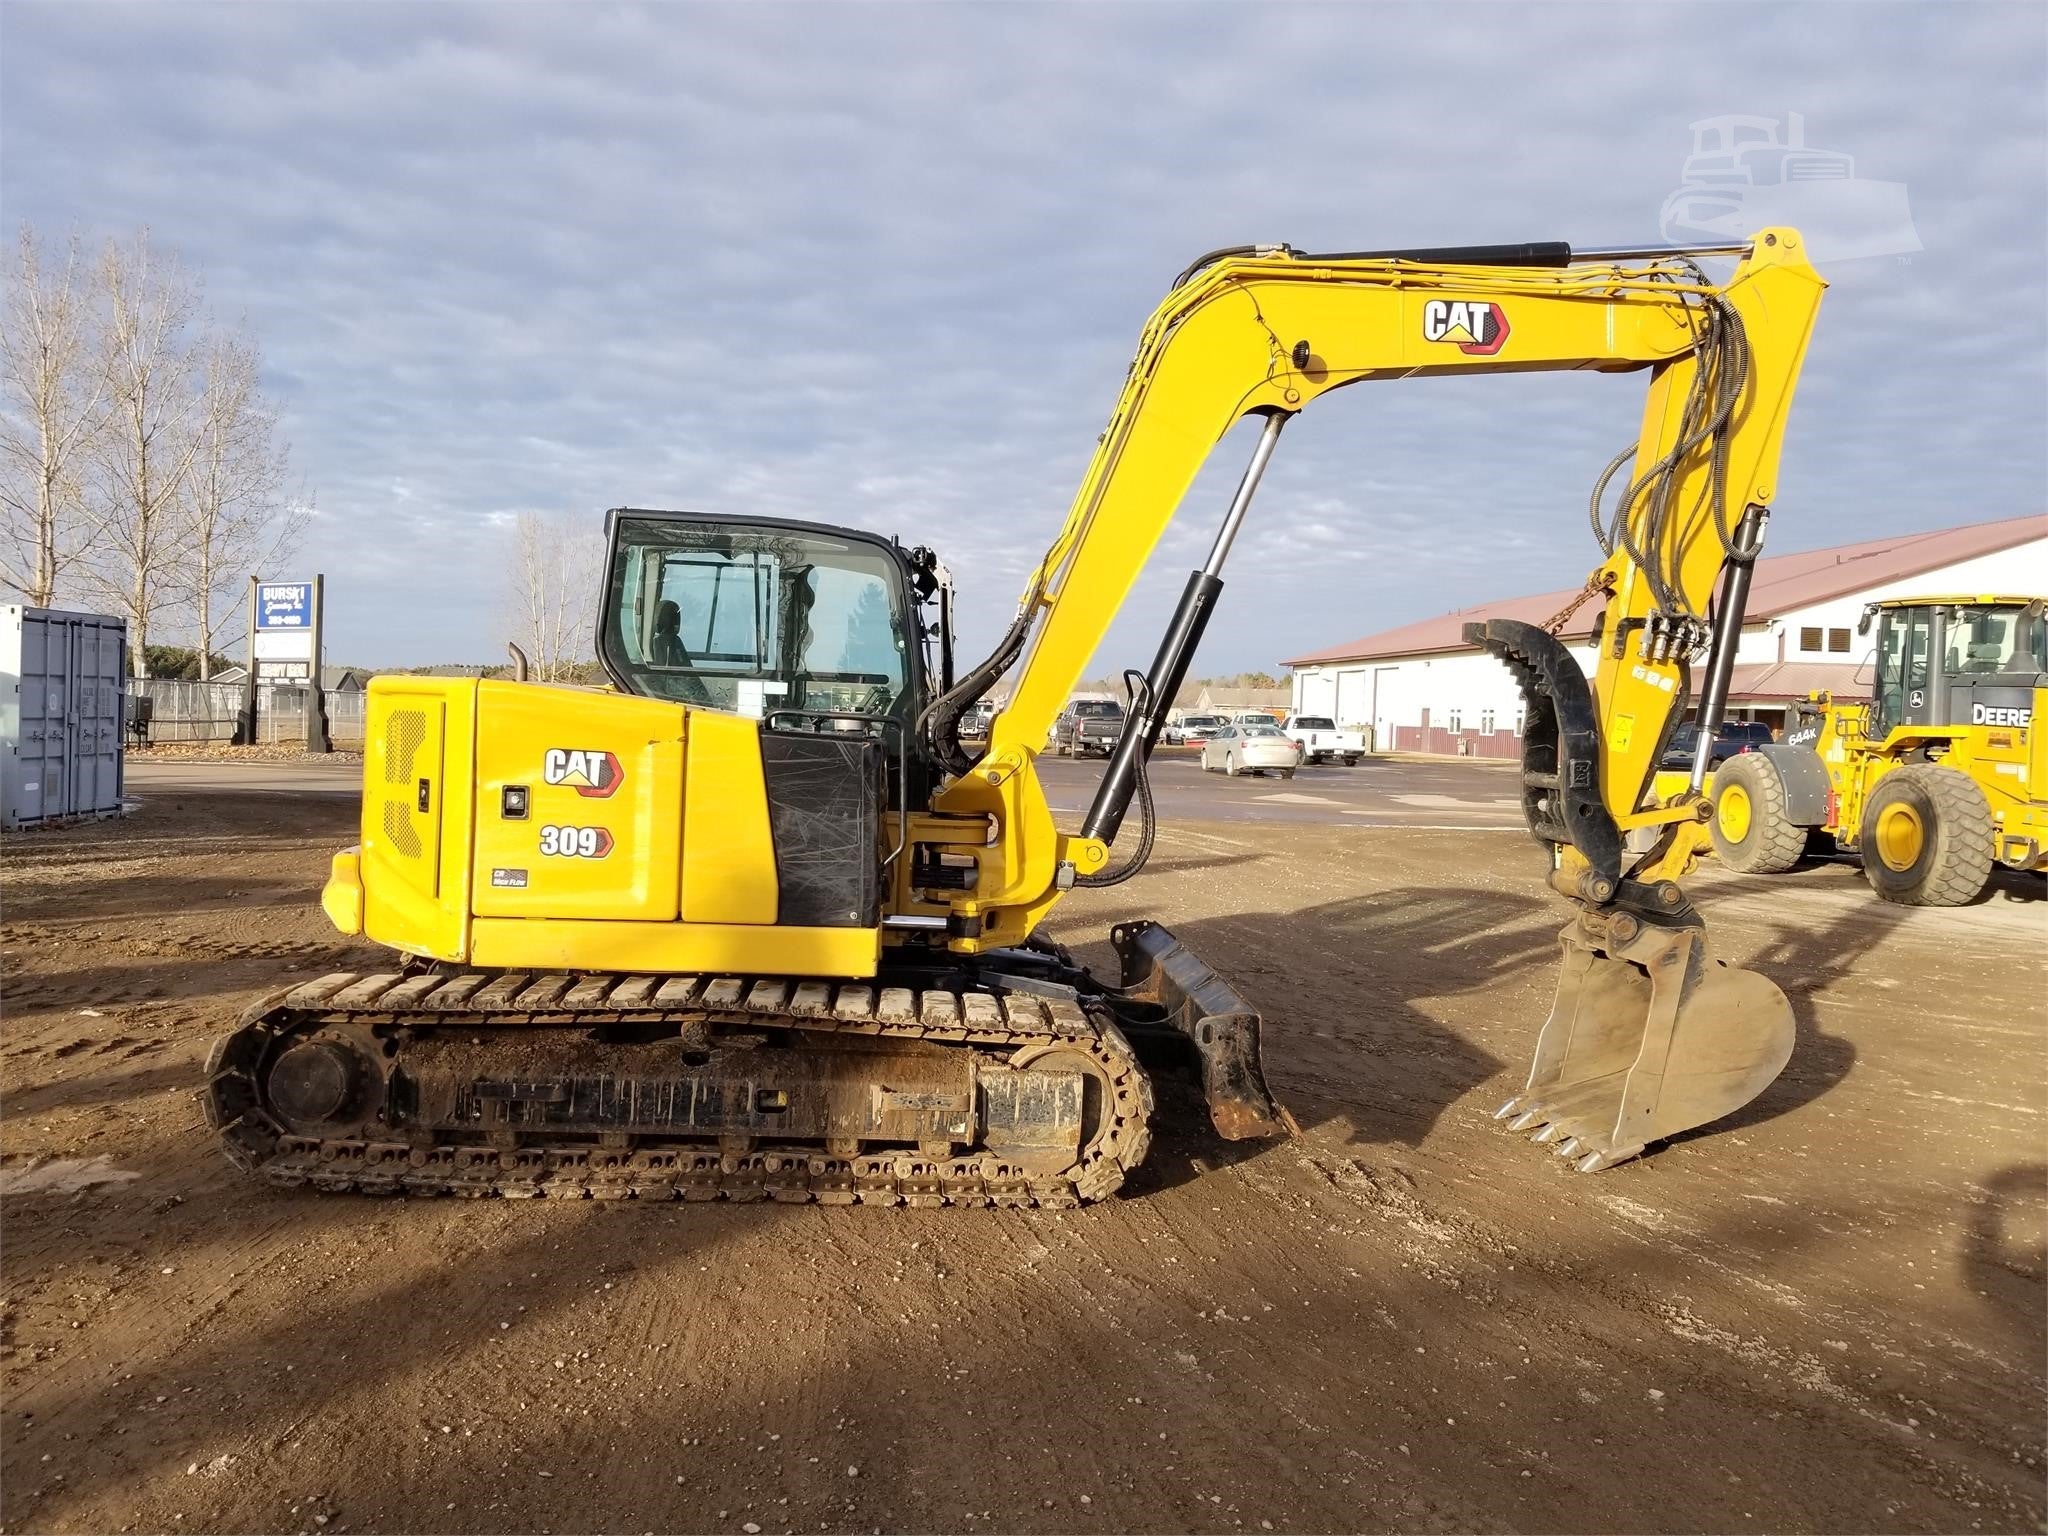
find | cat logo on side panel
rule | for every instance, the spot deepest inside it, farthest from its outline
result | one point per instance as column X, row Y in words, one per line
column 593, row 775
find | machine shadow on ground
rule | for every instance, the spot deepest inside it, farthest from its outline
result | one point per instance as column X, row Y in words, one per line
column 1361, row 1048
column 2004, row 1253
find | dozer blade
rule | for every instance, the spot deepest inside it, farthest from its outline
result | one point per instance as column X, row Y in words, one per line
column 1647, row 1037
column 1209, row 1014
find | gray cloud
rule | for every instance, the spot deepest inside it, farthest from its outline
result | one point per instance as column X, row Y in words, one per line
column 885, row 265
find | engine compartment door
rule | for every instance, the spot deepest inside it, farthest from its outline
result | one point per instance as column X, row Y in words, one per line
column 579, row 804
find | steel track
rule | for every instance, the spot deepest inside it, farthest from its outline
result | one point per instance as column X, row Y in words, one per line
column 656, row 1168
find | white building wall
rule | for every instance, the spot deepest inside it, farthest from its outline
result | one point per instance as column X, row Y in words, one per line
column 1472, row 689
column 1391, row 693
column 2018, row 572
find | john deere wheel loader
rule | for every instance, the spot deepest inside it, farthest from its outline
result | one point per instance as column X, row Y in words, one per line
column 1935, row 779
column 759, row 924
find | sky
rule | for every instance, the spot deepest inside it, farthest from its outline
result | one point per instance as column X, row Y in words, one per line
column 886, row 265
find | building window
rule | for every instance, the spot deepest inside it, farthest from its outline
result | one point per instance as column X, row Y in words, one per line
column 1518, row 722
column 1457, row 721
column 1838, row 641
column 1809, row 639
column 1486, row 722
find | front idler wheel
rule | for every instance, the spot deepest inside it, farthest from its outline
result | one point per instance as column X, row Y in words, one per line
column 330, row 1084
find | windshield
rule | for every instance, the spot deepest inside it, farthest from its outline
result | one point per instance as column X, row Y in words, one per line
column 1984, row 640
column 1314, row 723
column 1204, row 721
column 1099, row 709
column 1260, row 730
column 753, row 618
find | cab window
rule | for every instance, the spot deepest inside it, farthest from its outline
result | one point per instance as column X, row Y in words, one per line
column 754, row 618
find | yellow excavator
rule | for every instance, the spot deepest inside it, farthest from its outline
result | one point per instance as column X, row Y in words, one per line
column 756, row 924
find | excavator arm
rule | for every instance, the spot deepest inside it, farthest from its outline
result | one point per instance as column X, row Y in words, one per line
column 1647, row 1035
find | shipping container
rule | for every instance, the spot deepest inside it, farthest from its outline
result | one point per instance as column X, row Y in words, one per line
column 61, row 713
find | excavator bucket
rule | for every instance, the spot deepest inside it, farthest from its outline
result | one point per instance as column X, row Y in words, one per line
column 1647, row 1037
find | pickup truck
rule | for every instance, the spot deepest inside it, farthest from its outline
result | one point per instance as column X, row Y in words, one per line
column 1320, row 740
column 1731, row 739
column 1088, row 725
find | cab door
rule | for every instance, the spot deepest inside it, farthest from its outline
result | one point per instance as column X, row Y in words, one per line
column 1905, row 652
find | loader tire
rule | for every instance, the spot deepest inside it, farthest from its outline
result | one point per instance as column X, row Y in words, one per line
column 1752, row 829
column 1926, row 837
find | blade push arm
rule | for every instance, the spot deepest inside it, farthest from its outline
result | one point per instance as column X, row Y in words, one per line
column 1267, row 334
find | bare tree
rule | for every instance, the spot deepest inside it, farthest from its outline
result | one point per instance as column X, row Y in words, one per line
column 556, row 566
column 238, row 517
column 55, row 396
column 147, row 451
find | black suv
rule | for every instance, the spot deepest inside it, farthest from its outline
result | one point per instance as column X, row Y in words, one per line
column 1731, row 737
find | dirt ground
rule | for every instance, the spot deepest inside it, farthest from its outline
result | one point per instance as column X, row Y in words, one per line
column 1824, row 1314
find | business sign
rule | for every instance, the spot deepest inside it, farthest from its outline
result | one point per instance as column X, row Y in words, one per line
column 284, row 648
column 286, row 605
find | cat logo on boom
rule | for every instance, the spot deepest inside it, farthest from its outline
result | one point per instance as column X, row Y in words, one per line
column 593, row 775
column 1477, row 326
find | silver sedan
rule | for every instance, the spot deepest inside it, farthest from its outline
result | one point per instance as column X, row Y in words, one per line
column 1240, row 749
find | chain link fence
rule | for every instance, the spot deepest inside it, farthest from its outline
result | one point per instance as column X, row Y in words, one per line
column 184, row 711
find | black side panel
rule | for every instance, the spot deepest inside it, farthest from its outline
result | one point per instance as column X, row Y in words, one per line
column 824, row 810
column 2005, row 699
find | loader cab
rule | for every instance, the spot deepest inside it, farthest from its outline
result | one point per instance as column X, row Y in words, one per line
column 1953, row 662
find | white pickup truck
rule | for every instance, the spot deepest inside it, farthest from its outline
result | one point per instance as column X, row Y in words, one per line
column 1320, row 740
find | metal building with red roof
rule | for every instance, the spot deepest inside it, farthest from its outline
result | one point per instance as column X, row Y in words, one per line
column 1420, row 688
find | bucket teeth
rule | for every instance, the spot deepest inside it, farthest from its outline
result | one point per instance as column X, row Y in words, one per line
column 1561, row 1127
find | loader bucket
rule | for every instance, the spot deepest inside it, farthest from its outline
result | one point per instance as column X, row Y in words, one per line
column 1647, row 1037
column 1180, row 994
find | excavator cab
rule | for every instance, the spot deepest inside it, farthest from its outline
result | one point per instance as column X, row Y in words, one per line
column 798, row 625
